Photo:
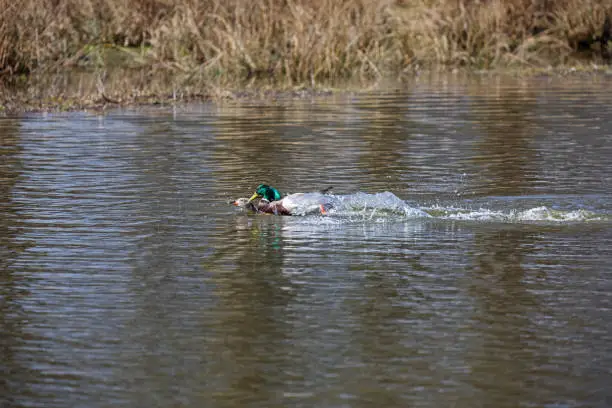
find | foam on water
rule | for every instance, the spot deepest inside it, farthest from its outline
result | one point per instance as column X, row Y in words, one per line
column 535, row 214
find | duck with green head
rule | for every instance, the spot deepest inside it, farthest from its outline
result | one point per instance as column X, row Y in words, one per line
column 272, row 202
column 266, row 192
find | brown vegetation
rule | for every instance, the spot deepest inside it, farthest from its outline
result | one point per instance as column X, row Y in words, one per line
column 289, row 42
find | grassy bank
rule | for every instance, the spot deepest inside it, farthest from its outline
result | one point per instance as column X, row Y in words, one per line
column 203, row 44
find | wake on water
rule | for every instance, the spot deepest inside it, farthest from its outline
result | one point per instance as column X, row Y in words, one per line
column 386, row 206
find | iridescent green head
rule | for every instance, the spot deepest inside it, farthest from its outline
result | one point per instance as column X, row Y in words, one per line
column 266, row 192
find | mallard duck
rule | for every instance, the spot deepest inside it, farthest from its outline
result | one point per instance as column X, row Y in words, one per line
column 293, row 204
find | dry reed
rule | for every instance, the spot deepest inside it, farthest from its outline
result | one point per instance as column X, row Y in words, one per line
column 296, row 41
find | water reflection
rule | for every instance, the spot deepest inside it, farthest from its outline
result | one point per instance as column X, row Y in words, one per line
column 387, row 137
column 13, row 287
column 256, row 148
column 498, row 285
column 253, row 298
column 505, row 153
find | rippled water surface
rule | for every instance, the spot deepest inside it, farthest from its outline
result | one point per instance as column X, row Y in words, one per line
column 466, row 262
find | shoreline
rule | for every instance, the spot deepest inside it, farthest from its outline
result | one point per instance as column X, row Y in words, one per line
column 72, row 90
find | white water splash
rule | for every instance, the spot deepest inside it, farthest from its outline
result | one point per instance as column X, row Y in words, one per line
column 375, row 206
column 547, row 214
column 536, row 214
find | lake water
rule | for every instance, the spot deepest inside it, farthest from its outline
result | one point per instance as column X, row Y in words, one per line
column 469, row 265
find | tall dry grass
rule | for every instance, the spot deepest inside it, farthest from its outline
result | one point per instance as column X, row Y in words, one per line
column 492, row 33
column 296, row 41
